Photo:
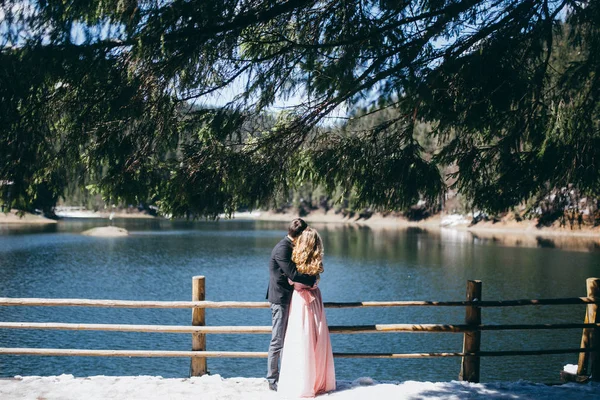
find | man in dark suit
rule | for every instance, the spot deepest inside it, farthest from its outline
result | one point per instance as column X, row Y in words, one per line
column 279, row 294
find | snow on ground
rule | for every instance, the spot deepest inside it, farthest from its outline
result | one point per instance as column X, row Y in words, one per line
column 66, row 387
column 454, row 220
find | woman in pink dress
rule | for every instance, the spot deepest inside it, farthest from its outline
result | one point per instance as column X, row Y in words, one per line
column 307, row 359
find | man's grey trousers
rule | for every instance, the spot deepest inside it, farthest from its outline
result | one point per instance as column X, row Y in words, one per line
column 279, row 315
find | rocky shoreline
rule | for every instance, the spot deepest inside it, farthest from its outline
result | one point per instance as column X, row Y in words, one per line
column 505, row 231
column 440, row 221
column 14, row 217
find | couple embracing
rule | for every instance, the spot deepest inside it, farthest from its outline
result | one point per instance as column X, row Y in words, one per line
column 300, row 336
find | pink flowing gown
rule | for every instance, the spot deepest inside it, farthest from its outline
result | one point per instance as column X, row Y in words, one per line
column 307, row 358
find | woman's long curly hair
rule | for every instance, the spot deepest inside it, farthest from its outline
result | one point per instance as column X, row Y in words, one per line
column 308, row 252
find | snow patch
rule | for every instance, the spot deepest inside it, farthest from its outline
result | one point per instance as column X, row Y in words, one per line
column 454, row 220
column 570, row 369
column 68, row 387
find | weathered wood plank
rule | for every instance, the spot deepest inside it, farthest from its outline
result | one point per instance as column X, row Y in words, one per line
column 8, row 301
column 356, row 329
column 248, row 354
column 593, row 285
column 198, row 365
column 582, row 364
column 469, row 370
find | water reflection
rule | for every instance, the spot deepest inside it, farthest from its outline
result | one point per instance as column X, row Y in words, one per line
column 16, row 229
column 525, row 239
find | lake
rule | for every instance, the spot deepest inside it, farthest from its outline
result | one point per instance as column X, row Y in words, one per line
column 158, row 260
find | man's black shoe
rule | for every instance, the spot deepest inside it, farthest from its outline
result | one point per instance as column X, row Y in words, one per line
column 273, row 386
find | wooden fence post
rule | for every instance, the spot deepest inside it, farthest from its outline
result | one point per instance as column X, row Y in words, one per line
column 198, row 364
column 591, row 337
column 469, row 369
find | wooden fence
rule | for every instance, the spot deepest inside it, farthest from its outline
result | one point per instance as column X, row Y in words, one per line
column 589, row 351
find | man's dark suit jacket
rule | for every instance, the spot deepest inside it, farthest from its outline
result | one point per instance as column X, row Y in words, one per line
column 281, row 267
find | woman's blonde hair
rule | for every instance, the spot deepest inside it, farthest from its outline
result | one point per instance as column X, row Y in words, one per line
column 308, row 252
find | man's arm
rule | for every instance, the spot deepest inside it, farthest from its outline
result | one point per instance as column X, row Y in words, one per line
column 283, row 257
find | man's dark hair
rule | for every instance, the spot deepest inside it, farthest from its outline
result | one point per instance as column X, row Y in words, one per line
column 297, row 226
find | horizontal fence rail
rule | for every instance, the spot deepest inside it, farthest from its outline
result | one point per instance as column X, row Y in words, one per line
column 379, row 328
column 589, row 350
column 263, row 354
column 7, row 301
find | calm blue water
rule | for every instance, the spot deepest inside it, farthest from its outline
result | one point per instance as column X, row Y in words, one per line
column 158, row 260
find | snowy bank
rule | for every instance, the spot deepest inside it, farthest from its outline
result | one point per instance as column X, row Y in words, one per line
column 66, row 387
column 16, row 217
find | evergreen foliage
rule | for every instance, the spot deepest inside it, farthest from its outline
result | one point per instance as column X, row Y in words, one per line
column 102, row 91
